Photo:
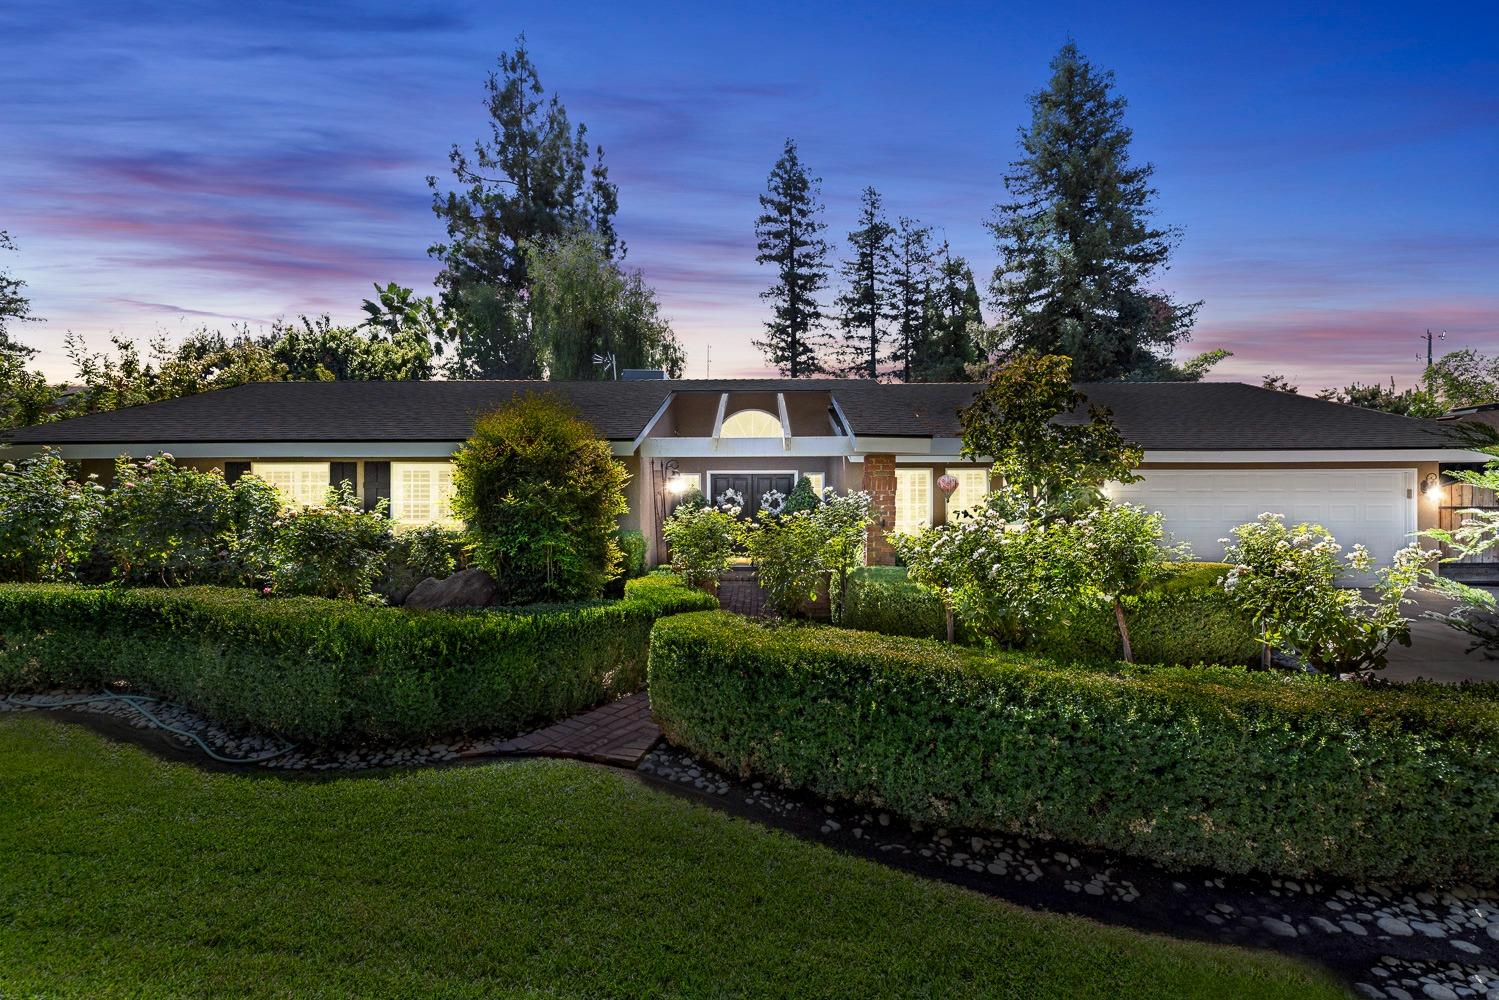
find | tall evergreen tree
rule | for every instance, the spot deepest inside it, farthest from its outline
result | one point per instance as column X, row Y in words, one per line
column 1076, row 243
column 865, row 306
column 914, row 260
column 533, row 180
column 954, row 316
column 787, row 235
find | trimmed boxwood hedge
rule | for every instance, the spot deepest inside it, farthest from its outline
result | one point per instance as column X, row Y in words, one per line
column 336, row 672
column 1219, row 766
column 1184, row 619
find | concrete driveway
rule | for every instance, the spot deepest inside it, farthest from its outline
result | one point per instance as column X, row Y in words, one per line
column 1437, row 652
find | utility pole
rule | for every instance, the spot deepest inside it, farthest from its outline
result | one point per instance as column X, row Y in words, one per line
column 1428, row 338
column 708, row 366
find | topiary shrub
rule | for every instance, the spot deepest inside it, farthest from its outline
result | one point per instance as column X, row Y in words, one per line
column 326, row 672
column 541, row 495
column 802, row 497
column 632, row 544
column 1286, row 774
column 881, row 599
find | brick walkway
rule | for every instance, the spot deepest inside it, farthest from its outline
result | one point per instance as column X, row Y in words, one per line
column 739, row 591
column 619, row 733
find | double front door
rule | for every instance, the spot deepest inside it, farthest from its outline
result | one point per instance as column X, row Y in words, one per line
column 750, row 485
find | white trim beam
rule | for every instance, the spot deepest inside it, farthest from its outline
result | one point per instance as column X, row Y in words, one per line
column 785, row 420
column 723, row 405
column 810, row 447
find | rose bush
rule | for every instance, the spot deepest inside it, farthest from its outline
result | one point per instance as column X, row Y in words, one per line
column 48, row 519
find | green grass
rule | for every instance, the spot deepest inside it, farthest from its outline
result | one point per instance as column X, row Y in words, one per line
column 121, row 875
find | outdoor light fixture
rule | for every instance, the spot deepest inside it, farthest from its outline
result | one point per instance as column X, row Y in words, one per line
column 1430, row 484
column 677, row 485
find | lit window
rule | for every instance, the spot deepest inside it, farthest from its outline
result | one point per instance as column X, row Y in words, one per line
column 973, row 486
column 301, row 484
column 421, row 493
column 913, row 500
column 817, row 479
column 751, row 424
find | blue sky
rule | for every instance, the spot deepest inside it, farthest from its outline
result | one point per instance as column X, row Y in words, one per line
column 168, row 165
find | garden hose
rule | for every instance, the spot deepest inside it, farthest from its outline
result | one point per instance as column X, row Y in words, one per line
column 135, row 702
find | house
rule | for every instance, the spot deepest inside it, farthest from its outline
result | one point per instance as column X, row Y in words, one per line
column 1217, row 454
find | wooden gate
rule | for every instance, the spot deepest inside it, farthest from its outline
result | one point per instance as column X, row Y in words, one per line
column 1483, row 568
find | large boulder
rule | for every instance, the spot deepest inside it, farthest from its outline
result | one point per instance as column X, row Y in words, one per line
column 468, row 588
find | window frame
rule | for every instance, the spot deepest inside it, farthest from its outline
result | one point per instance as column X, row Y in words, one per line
column 263, row 471
column 433, row 501
column 927, row 520
column 723, row 431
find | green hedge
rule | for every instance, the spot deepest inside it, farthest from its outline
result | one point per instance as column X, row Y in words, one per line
column 1219, row 766
column 335, row 672
column 1184, row 619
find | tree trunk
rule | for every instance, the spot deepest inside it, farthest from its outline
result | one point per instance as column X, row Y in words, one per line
column 950, row 629
column 1129, row 655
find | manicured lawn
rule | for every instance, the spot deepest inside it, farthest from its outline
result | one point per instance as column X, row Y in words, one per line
column 121, row 875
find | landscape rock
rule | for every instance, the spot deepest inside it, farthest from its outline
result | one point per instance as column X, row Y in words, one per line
column 467, row 588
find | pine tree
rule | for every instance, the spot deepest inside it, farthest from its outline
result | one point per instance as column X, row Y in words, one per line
column 914, row 260
column 787, row 236
column 1076, row 242
column 534, row 180
column 865, row 306
column 954, row 315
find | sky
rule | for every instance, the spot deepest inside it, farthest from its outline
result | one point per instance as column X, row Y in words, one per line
column 1334, row 168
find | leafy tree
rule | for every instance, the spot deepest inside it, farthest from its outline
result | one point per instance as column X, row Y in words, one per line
column 534, row 179
column 1195, row 368
column 313, row 349
column 15, row 307
column 954, row 316
column 25, row 396
column 541, row 495
column 843, row 521
column 584, row 304
column 865, row 306
column 1407, row 402
column 1279, row 383
column 787, row 237
column 1464, row 378
column 1013, row 422
column 789, row 553
column 1076, row 243
column 915, row 263
column 1120, row 552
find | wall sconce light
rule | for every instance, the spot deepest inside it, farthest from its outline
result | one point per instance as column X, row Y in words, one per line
column 678, row 484
column 1431, row 484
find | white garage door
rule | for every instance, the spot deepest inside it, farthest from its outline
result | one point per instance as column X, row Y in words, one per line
column 1374, row 506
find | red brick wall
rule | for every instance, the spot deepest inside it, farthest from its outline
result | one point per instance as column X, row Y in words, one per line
column 879, row 482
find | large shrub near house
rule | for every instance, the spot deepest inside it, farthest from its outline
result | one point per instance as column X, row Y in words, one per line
column 336, row 550
column 48, row 519
column 331, row 672
column 541, row 495
column 170, row 525
column 1238, row 770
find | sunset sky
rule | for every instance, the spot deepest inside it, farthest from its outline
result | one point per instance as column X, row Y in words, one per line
column 165, row 166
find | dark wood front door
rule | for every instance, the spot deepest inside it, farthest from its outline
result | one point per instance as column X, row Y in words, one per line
column 751, row 485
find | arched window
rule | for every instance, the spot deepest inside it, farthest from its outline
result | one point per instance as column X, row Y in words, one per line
column 751, row 424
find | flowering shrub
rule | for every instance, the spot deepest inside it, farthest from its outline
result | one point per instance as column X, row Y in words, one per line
column 842, row 520
column 790, row 556
column 1015, row 566
column 170, row 524
column 47, row 519
column 702, row 540
column 1289, row 581
column 337, row 550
